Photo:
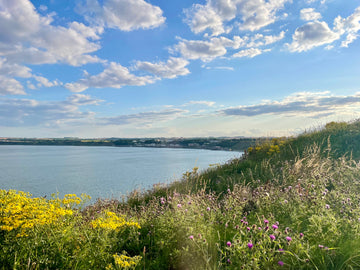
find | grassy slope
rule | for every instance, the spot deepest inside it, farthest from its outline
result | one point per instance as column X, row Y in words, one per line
column 334, row 140
column 289, row 204
column 320, row 170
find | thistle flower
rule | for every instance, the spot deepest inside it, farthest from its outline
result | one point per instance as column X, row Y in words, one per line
column 281, row 263
column 275, row 226
column 288, row 238
column 228, row 243
column 250, row 245
column 191, row 237
column 272, row 237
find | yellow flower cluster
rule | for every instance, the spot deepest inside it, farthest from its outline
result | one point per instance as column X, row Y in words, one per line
column 113, row 222
column 124, row 262
column 71, row 199
column 19, row 211
column 270, row 147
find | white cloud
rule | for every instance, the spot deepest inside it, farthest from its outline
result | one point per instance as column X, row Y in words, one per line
column 250, row 14
column 310, row 35
column 29, row 112
column 13, row 70
column 309, row 14
column 207, row 50
column 349, row 26
column 30, row 38
column 126, row 15
column 252, row 52
column 314, row 34
column 42, row 81
column 10, row 86
column 308, row 104
column 173, row 68
column 259, row 40
column 114, row 76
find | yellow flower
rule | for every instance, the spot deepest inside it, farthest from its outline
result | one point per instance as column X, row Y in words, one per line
column 125, row 262
column 19, row 211
column 113, row 222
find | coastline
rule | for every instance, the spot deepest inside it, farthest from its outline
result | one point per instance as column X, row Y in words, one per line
column 215, row 144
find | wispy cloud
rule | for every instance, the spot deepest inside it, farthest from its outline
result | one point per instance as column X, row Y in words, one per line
column 114, row 76
column 305, row 103
column 144, row 118
column 173, row 68
column 125, row 15
column 29, row 112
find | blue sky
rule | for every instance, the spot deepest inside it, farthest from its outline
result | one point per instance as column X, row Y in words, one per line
column 160, row 68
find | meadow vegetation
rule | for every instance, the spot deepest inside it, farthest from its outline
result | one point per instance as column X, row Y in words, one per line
column 289, row 203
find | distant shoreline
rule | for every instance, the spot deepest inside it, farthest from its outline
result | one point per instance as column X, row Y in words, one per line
column 219, row 144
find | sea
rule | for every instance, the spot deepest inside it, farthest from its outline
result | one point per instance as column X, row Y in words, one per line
column 101, row 172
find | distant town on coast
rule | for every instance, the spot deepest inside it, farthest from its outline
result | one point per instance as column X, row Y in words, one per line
column 221, row 143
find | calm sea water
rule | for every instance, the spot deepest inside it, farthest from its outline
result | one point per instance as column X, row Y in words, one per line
column 104, row 172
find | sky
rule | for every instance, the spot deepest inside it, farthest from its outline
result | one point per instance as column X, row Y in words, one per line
column 178, row 68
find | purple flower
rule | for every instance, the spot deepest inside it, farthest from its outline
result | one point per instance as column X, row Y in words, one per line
column 281, row 263
column 327, row 206
column 248, row 228
column 266, row 221
column 250, row 245
column 228, row 243
column 288, row 238
column 301, row 235
column 208, row 209
column 191, row 237
column 275, row 226
column 320, row 246
column 179, row 205
column 228, row 260
column 272, row 237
